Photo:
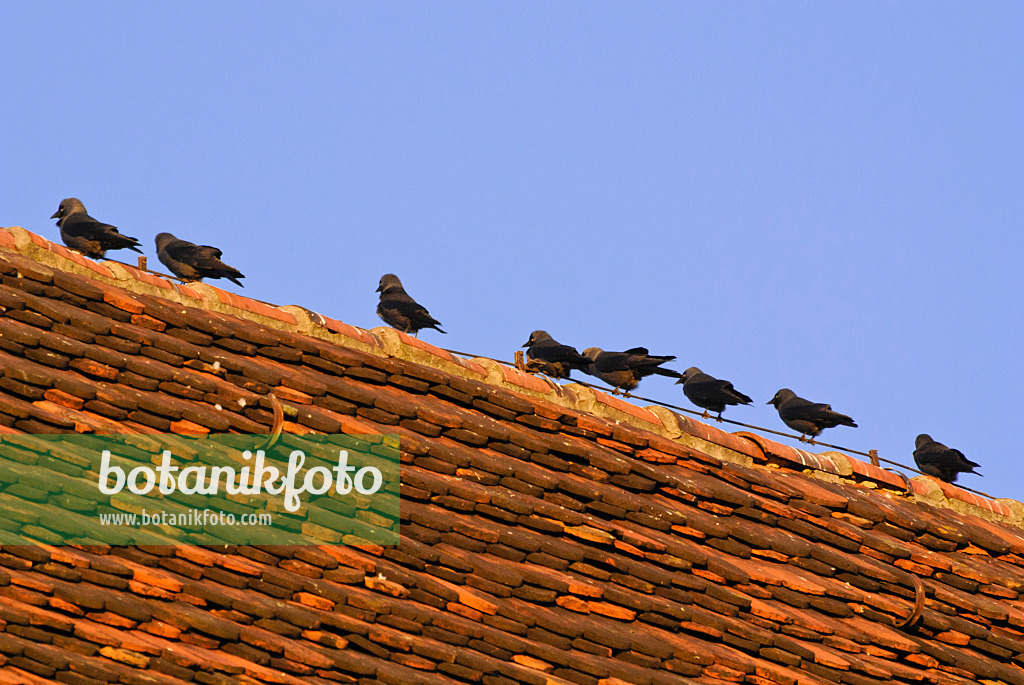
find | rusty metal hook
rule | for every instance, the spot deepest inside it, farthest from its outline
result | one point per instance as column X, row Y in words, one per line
column 912, row 620
column 275, row 431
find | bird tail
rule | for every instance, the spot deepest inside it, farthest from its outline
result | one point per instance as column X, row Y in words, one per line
column 967, row 462
column 230, row 273
column 741, row 397
column 844, row 420
column 667, row 372
column 580, row 363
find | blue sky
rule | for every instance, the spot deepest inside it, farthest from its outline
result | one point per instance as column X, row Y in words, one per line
column 821, row 196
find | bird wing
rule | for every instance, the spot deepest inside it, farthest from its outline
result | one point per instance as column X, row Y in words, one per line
column 799, row 408
column 704, row 384
column 637, row 350
column 964, row 460
column 570, row 353
column 824, row 415
column 630, row 360
column 403, row 303
column 728, row 388
column 929, row 453
column 639, row 356
column 190, row 253
column 406, row 306
column 614, row 361
column 87, row 227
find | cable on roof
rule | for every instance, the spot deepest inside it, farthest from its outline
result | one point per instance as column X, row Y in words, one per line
column 872, row 455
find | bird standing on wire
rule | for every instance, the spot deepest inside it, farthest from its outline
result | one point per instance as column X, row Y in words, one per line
column 945, row 463
column 624, row 370
column 546, row 355
column 806, row 417
column 710, row 393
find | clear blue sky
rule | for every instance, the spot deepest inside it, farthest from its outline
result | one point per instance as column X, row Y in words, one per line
column 822, row 196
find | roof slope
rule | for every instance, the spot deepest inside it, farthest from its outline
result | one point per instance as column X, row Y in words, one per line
column 548, row 534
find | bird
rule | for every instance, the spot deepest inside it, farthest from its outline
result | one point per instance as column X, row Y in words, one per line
column 193, row 262
column 710, row 393
column 400, row 311
column 550, row 357
column 805, row 417
column 940, row 461
column 623, row 370
column 81, row 232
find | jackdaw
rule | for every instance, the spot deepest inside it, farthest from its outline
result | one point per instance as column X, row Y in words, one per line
column 940, row 461
column 193, row 262
column 805, row 417
column 400, row 311
column 546, row 355
column 709, row 393
column 623, row 370
column 81, row 232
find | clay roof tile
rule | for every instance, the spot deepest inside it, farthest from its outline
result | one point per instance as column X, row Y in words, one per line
column 549, row 533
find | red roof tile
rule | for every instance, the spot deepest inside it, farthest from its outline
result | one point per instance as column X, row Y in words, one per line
column 879, row 475
column 540, row 542
column 793, row 457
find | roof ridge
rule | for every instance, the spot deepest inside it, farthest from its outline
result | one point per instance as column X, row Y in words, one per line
column 742, row 447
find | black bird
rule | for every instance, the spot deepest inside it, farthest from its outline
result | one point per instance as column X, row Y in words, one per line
column 805, row 417
column 546, row 355
column 940, row 461
column 709, row 393
column 401, row 311
column 81, row 232
column 193, row 262
column 623, row 370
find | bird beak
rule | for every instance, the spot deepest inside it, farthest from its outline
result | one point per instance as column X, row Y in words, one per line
column 379, row 288
column 527, row 344
column 55, row 214
column 768, row 402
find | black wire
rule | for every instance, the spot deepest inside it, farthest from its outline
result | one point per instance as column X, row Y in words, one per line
column 667, row 405
column 762, row 429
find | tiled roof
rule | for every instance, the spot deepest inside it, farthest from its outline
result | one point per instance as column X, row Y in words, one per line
column 550, row 534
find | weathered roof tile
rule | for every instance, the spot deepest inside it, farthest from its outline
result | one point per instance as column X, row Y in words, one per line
column 540, row 542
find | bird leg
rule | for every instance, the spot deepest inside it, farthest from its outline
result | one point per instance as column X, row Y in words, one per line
column 719, row 417
column 706, row 414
